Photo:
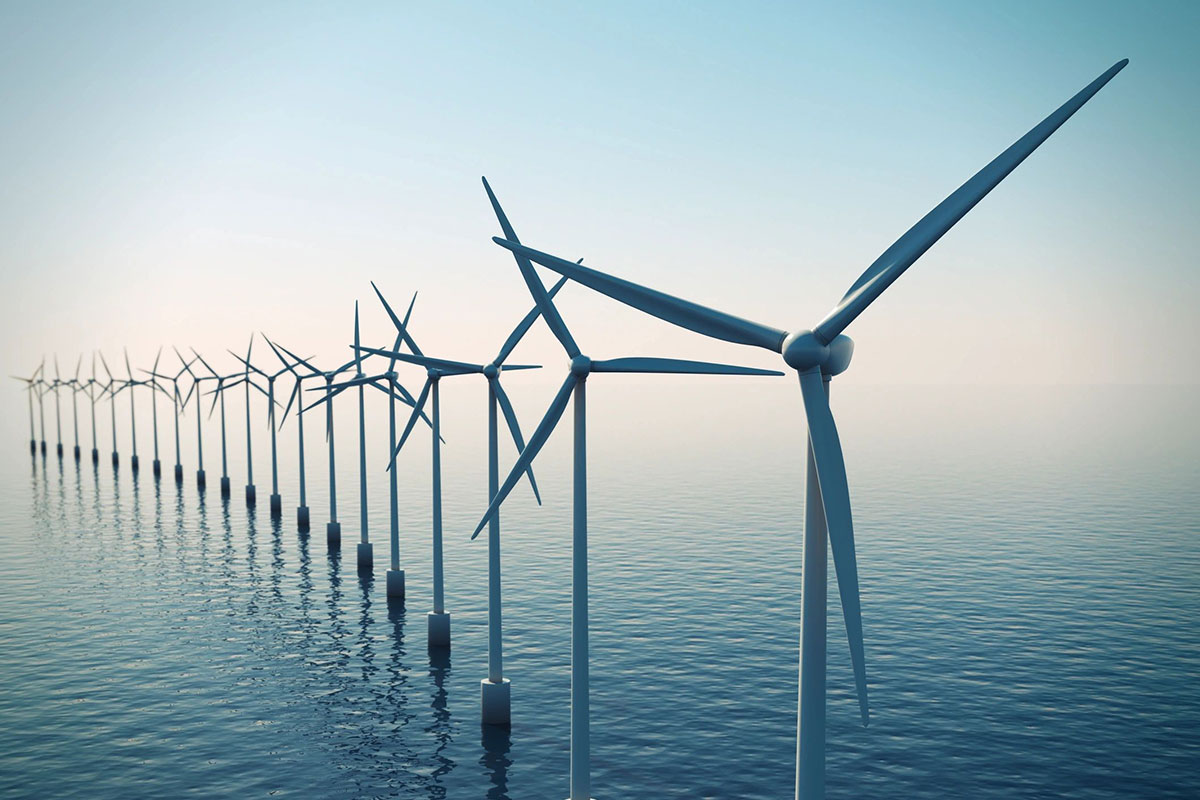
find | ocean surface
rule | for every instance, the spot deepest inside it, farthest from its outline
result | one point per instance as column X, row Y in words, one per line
column 1029, row 559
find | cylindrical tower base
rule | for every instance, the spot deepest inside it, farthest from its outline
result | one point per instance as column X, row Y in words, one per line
column 251, row 495
column 76, row 452
column 333, row 533
column 179, row 473
column 439, row 628
column 59, row 448
column 224, row 486
column 201, row 480
column 276, row 505
column 157, row 465
column 494, row 702
column 302, row 517
column 133, row 463
column 395, row 583
column 366, row 556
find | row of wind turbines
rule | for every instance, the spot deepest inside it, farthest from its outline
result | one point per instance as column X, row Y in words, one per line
column 816, row 355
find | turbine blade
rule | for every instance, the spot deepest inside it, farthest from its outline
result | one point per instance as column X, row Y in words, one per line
column 676, row 366
column 835, row 495
column 524, row 325
column 357, row 359
column 920, row 237
column 549, row 312
column 291, row 399
column 401, row 327
column 157, row 356
column 412, row 420
column 202, row 361
column 514, row 428
column 300, row 360
column 536, row 441
column 128, row 368
column 328, row 395
column 425, row 361
column 78, row 364
column 684, row 313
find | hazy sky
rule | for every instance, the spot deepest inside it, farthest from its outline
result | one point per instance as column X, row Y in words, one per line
column 188, row 172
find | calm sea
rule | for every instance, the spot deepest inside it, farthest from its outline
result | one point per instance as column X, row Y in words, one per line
column 1030, row 567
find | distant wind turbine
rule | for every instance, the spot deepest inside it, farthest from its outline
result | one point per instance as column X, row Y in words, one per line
column 579, row 369
column 251, row 492
column 276, row 500
column 155, row 387
column 333, row 528
column 57, row 407
column 30, row 388
column 110, row 388
column 131, row 383
column 76, row 388
column 178, row 402
column 817, row 355
column 219, row 394
column 201, row 476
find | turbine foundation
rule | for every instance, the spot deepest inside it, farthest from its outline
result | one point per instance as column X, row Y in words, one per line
column 95, row 456
column 179, row 473
column 157, row 465
column 494, row 702
column 200, row 479
column 276, row 505
column 224, row 486
column 439, row 628
column 76, row 452
column 133, row 463
column 43, row 447
column 116, row 459
column 395, row 583
column 366, row 557
column 33, row 446
column 251, row 495
column 59, row 448
column 302, row 517
column 333, row 533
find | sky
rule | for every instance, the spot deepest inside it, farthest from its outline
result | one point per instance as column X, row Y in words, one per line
column 187, row 173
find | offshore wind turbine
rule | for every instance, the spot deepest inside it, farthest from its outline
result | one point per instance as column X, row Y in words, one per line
column 817, row 355
column 76, row 388
column 579, row 369
column 57, row 407
column 333, row 528
column 276, row 500
column 92, row 385
column 251, row 492
column 155, row 387
column 495, row 690
column 302, row 513
column 112, row 395
column 30, row 388
column 366, row 556
column 131, row 383
column 201, row 476
column 219, row 393
column 178, row 402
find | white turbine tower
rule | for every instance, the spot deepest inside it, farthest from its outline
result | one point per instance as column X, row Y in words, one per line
column 579, row 369
column 108, row 387
column 30, row 388
column 219, row 394
column 178, row 402
column 817, row 355
column 57, row 407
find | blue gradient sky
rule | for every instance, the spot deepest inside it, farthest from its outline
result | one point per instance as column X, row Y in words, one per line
column 187, row 173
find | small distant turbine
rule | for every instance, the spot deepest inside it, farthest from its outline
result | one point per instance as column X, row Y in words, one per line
column 251, row 492
column 495, row 690
column 131, row 383
column 817, row 356
column 57, row 408
column 201, row 476
column 276, row 500
column 333, row 528
column 30, row 388
column 219, row 394
column 155, row 387
column 579, row 369
column 76, row 388
column 178, row 402
column 302, row 515
column 110, row 387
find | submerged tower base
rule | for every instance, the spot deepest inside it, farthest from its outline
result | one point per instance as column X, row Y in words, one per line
column 224, row 486
column 395, row 583
column 366, row 556
column 494, row 702
column 179, row 473
column 133, row 463
column 276, row 506
column 157, row 466
column 251, row 495
column 201, row 481
column 302, row 517
column 76, row 452
column 333, row 533
column 439, row 628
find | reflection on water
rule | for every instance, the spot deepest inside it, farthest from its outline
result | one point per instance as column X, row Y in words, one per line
column 160, row 641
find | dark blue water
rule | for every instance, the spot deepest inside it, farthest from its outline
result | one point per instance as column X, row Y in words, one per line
column 1030, row 563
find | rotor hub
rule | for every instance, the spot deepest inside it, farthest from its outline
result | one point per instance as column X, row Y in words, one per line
column 433, row 374
column 580, row 366
column 491, row 371
column 803, row 351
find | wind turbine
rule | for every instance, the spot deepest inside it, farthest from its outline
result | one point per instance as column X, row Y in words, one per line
column 178, row 402
column 92, row 384
column 30, row 388
column 276, row 500
column 201, row 477
column 817, row 355
column 251, row 493
column 366, row 557
column 579, row 369
column 219, row 392
column 333, row 528
column 133, row 459
column 112, row 395
column 155, row 387
column 57, row 408
column 302, row 516
column 76, row 388
column 495, row 690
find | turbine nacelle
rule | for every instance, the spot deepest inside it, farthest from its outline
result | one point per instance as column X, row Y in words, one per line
column 491, row 371
column 580, row 366
column 803, row 351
